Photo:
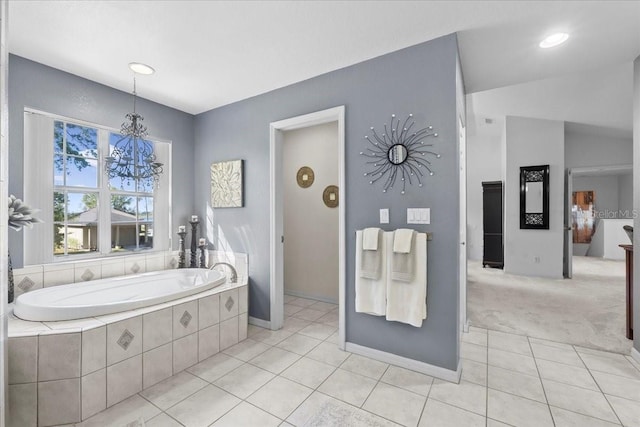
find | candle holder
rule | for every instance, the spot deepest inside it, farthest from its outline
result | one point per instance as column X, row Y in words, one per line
column 203, row 257
column 194, row 232
column 181, row 250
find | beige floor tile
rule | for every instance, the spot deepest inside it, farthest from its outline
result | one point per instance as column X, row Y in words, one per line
column 300, row 344
column 512, row 361
column 253, row 329
column 334, row 338
column 564, row 418
column 601, row 353
column 627, row 410
column 203, row 407
column 610, row 365
column 474, row 372
column 509, row 342
column 129, row 410
column 395, row 404
column 515, row 383
column 174, row 389
column 517, row 411
column 308, row 372
column 566, row 374
column 618, row 386
column 407, row 379
column 331, row 317
column 438, row 414
column 566, row 355
column 364, row 366
column 328, row 353
column 162, row 420
column 269, row 337
column 246, row 350
column 469, row 396
column 317, row 331
column 576, row 399
column 215, row 367
column 473, row 352
column 348, row 387
column 290, row 309
column 475, row 337
column 293, row 324
column 549, row 343
column 324, row 306
column 302, row 302
column 289, row 298
column 478, row 329
column 633, row 362
column 494, row 423
column 309, row 314
column 275, row 360
column 322, row 410
column 280, row 397
column 244, row 380
column 247, row 415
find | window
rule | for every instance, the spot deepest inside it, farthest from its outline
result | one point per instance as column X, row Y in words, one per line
column 91, row 214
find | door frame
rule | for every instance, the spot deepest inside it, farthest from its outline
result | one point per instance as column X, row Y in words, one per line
column 276, row 275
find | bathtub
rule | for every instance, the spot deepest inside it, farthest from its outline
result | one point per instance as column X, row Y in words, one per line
column 113, row 295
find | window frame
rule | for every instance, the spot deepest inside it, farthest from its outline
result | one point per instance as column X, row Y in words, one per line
column 39, row 189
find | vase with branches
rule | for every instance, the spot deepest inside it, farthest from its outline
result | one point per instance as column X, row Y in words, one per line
column 20, row 216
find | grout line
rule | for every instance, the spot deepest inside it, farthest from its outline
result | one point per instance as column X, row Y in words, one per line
column 486, row 418
column 542, row 384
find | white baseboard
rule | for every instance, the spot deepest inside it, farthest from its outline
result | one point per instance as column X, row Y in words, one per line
column 303, row 295
column 635, row 354
column 259, row 322
column 403, row 362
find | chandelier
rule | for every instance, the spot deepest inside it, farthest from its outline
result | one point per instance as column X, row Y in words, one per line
column 132, row 158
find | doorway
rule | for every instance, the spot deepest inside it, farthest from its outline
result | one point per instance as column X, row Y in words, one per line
column 277, row 214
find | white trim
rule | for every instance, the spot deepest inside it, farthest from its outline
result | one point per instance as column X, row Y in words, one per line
column 635, row 354
column 276, row 258
column 259, row 322
column 403, row 362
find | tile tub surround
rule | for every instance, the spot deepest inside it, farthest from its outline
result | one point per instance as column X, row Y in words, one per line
column 65, row 372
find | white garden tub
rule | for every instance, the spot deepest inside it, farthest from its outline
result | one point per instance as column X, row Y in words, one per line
column 113, row 295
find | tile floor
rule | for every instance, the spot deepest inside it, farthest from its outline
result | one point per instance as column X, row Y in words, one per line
column 297, row 376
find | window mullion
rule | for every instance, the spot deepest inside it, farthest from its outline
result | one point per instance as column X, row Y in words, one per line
column 104, row 195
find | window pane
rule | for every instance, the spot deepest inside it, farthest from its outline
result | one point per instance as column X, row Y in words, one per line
column 82, row 208
column 81, row 238
column 59, row 206
column 81, row 172
column 134, row 157
column 58, row 239
column 123, row 208
column 82, row 141
column 58, row 137
column 145, row 235
column 145, row 208
column 58, row 169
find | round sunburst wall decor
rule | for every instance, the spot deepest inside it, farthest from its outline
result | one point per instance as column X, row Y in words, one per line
column 399, row 153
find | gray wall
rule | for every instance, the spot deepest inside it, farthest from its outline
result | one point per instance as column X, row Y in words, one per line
column 44, row 88
column 595, row 146
column 625, row 195
column 636, row 199
column 418, row 80
column 532, row 142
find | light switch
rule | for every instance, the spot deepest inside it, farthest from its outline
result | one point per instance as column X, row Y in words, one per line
column 418, row 216
column 384, row 216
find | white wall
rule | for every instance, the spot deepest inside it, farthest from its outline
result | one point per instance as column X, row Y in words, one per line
column 484, row 163
column 595, row 146
column 310, row 227
column 625, row 195
column 532, row 142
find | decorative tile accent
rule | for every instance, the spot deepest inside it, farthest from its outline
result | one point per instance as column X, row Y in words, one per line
column 87, row 275
column 125, row 339
column 229, row 304
column 26, row 284
column 135, row 267
column 185, row 319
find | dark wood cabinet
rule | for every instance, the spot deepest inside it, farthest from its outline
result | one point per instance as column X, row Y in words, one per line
column 493, row 249
column 628, row 250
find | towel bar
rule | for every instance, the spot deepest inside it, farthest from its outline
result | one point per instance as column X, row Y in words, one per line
column 429, row 234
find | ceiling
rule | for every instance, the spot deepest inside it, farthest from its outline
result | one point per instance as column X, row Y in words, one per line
column 208, row 54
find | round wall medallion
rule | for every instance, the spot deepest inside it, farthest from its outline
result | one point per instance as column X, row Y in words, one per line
column 330, row 196
column 305, row 177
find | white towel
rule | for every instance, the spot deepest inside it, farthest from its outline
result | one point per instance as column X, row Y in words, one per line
column 370, row 238
column 402, row 240
column 371, row 294
column 370, row 266
column 407, row 301
column 402, row 260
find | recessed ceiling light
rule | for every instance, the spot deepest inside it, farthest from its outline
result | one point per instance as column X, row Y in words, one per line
column 140, row 68
column 554, row 40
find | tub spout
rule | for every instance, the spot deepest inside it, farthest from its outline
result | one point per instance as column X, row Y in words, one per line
column 234, row 275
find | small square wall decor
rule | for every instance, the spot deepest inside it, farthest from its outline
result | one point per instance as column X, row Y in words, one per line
column 226, row 184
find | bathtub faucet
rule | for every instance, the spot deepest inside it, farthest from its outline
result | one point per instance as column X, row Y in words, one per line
column 234, row 275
